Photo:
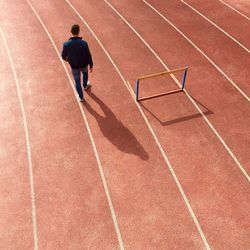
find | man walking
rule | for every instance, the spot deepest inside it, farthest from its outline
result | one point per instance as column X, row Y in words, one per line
column 76, row 52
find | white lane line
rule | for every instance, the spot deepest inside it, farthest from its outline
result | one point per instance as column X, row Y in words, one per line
column 101, row 171
column 151, row 130
column 190, row 98
column 215, row 25
column 235, row 10
column 171, row 169
column 217, row 67
column 31, row 177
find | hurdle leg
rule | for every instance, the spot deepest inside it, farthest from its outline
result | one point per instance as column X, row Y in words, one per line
column 184, row 79
column 137, row 90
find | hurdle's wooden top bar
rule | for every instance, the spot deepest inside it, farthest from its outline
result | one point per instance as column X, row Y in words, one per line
column 161, row 73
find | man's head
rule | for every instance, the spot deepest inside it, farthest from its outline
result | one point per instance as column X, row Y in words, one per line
column 75, row 30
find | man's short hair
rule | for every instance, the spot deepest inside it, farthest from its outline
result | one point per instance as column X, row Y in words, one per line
column 75, row 29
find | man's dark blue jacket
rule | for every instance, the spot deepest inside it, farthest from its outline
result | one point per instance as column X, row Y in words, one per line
column 76, row 52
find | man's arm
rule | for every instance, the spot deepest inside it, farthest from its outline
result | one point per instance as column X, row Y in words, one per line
column 64, row 53
column 89, row 58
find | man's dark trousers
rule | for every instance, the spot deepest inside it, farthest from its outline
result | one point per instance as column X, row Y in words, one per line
column 77, row 77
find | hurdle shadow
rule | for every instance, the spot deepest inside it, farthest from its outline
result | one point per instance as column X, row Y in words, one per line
column 181, row 119
column 114, row 130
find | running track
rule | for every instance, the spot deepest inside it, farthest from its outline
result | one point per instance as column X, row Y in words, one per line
column 169, row 173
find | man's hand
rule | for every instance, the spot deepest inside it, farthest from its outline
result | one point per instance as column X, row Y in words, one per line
column 90, row 70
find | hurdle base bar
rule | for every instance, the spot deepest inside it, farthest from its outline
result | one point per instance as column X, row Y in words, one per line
column 161, row 94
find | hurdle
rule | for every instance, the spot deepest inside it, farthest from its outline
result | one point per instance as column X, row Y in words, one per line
column 169, row 72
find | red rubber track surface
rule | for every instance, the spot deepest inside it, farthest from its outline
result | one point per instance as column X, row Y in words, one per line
column 226, row 18
column 72, row 210
column 221, row 49
column 242, row 5
column 15, row 219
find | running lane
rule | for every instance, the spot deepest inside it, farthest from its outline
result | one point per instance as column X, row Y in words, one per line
column 71, row 206
column 242, row 6
column 232, row 59
column 224, row 17
column 150, row 210
column 213, row 182
column 230, row 109
column 15, row 206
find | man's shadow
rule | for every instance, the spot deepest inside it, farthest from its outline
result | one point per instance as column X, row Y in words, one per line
column 114, row 130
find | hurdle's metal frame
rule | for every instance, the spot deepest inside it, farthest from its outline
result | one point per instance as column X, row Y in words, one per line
column 185, row 69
